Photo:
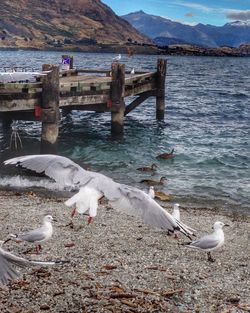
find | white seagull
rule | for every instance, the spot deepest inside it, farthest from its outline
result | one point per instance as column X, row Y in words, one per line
column 10, row 77
column 151, row 192
column 7, row 260
column 37, row 235
column 125, row 198
column 117, row 58
column 210, row 242
column 85, row 200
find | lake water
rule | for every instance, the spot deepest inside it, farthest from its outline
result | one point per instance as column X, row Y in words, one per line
column 207, row 122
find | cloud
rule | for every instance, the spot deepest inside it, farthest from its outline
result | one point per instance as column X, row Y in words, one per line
column 189, row 14
column 238, row 15
column 196, row 6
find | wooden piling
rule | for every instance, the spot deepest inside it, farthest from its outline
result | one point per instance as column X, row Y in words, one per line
column 50, row 109
column 160, row 93
column 117, row 97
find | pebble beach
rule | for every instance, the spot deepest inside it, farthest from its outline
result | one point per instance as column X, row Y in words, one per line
column 119, row 264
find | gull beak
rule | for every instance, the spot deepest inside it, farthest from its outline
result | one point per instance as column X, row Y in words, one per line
column 55, row 220
column 226, row 225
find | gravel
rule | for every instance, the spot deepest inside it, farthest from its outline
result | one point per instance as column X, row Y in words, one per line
column 118, row 264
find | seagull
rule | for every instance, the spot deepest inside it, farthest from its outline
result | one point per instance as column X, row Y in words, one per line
column 7, row 259
column 176, row 212
column 10, row 77
column 117, row 58
column 37, row 235
column 210, row 242
column 151, row 192
column 85, row 200
column 151, row 168
column 154, row 182
column 132, row 71
column 125, row 198
column 176, row 215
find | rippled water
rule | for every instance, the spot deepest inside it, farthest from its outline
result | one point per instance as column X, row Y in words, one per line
column 207, row 122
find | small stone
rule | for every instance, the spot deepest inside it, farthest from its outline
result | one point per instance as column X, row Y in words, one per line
column 44, row 307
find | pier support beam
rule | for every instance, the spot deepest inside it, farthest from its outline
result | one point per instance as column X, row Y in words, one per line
column 117, row 98
column 160, row 93
column 50, row 109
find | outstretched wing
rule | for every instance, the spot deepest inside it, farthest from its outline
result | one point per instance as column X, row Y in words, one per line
column 7, row 260
column 125, row 198
column 61, row 169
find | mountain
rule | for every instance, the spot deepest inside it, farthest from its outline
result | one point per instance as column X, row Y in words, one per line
column 67, row 24
column 231, row 34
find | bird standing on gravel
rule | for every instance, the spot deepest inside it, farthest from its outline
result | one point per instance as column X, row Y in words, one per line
column 210, row 242
column 37, row 235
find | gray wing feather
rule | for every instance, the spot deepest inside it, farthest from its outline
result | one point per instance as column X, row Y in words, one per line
column 61, row 169
column 32, row 236
column 206, row 242
column 7, row 260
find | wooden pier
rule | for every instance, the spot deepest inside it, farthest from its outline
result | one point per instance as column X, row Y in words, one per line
column 81, row 89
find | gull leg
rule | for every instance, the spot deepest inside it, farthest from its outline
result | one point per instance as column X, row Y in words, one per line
column 90, row 220
column 176, row 236
column 37, row 249
column 70, row 224
column 210, row 259
column 73, row 212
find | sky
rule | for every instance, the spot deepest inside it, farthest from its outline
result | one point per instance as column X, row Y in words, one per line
column 191, row 12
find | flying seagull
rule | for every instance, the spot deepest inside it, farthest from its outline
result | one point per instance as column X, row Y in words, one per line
column 7, row 260
column 209, row 242
column 37, row 235
column 85, row 200
column 125, row 198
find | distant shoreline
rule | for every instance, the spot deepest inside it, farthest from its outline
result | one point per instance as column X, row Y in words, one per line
column 175, row 50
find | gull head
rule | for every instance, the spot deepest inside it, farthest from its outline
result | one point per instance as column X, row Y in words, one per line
column 219, row 225
column 48, row 219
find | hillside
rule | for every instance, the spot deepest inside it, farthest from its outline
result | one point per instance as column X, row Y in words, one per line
column 231, row 34
column 74, row 24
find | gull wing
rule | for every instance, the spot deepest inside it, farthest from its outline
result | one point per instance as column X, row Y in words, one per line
column 32, row 235
column 205, row 243
column 7, row 260
column 125, row 198
column 61, row 169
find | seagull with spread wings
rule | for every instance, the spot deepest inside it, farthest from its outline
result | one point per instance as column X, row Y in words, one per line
column 122, row 197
